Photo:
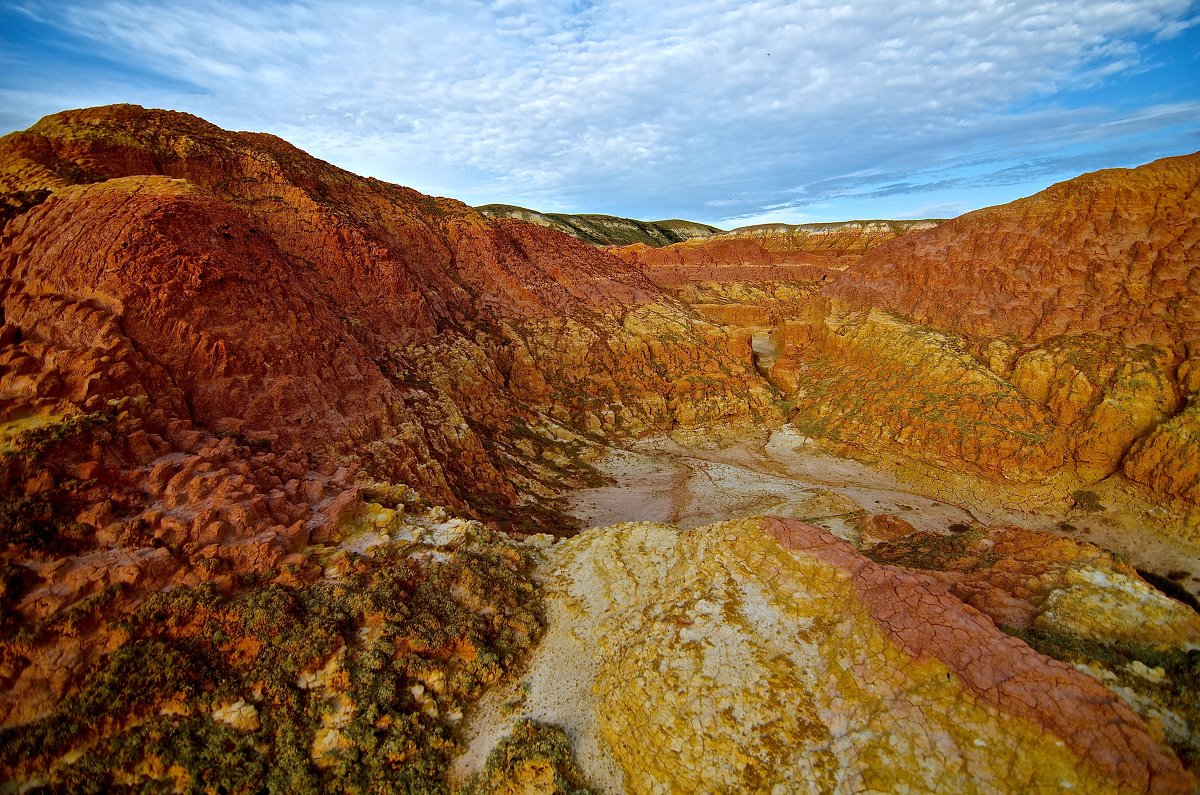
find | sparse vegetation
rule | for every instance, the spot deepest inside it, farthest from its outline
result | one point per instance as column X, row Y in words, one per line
column 534, row 755
column 924, row 550
column 41, row 439
column 409, row 643
column 1087, row 501
column 1178, row 690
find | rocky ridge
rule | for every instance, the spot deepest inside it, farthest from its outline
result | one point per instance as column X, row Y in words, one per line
column 297, row 304
column 1038, row 353
column 606, row 230
column 213, row 344
column 1073, row 301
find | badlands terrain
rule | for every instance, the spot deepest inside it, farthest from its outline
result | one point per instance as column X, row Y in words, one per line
column 310, row 482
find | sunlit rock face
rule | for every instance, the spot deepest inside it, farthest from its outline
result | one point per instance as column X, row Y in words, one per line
column 213, row 343
column 251, row 288
column 769, row 656
column 262, row 423
column 1028, row 353
column 1113, row 253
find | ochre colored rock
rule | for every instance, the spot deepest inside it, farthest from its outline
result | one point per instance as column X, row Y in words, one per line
column 283, row 298
column 220, row 358
column 211, row 340
column 767, row 655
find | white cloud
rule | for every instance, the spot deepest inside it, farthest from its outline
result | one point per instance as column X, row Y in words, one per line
column 634, row 107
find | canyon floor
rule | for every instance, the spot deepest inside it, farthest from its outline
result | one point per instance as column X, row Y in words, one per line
column 694, row 478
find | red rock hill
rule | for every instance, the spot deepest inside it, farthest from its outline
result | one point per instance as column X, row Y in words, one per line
column 1114, row 252
column 265, row 292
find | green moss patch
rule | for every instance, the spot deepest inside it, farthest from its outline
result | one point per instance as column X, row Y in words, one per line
column 924, row 550
column 351, row 684
column 536, row 757
column 1178, row 690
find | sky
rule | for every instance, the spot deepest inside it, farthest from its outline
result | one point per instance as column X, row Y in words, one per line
column 730, row 113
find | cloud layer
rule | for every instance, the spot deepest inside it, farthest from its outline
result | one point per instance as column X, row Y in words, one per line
column 718, row 111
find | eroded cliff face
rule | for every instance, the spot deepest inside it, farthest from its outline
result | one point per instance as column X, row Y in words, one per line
column 262, row 422
column 963, row 417
column 297, row 304
column 1112, row 253
column 1037, row 353
column 212, row 344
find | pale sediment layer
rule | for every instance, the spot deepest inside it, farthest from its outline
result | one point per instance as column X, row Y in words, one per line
column 687, row 480
column 768, row 656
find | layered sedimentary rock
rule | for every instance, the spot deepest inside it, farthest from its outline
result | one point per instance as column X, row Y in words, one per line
column 1045, row 346
column 1113, row 253
column 768, row 252
column 284, row 299
column 723, row 259
column 1080, row 604
column 235, row 381
column 835, row 238
column 768, row 656
column 1041, row 421
column 211, row 341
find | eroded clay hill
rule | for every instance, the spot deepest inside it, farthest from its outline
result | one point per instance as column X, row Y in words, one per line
column 263, row 422
column 255, row 290
column 769, row 656
column 770, row 252
column 1041, row 353
column 214, row 344
column 1081, row 299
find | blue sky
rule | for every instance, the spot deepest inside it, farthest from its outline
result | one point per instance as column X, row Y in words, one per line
column 728, row 112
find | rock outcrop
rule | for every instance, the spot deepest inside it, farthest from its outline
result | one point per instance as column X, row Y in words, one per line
column 287, row 300
column 724, row 260
column 1112, row 253
column 768, row 656
column 833, row 238
column 1045, row 346
column 606, row 230
column 766, row 253
column 212, row 343
column 262, row 422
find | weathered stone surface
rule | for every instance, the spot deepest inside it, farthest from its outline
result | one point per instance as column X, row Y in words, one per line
column 1080, row 604
column 1046, row 344
column 767, row 655
column 211, row 341
column 220, row 357
column 1114, row 253
column 325, row 310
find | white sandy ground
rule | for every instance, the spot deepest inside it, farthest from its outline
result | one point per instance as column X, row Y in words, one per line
column 555, row 688
column 695, row 481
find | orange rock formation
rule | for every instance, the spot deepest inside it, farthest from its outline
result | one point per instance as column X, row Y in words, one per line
column 1044, row 345
column 221, row 359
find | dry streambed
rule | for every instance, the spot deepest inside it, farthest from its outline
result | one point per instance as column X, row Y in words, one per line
column 669, row 654
column 693, row 480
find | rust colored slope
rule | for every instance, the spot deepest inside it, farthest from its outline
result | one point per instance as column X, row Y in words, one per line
column 1115, row 252
column 927, row 621
column 355, row 234
column 315, row 307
